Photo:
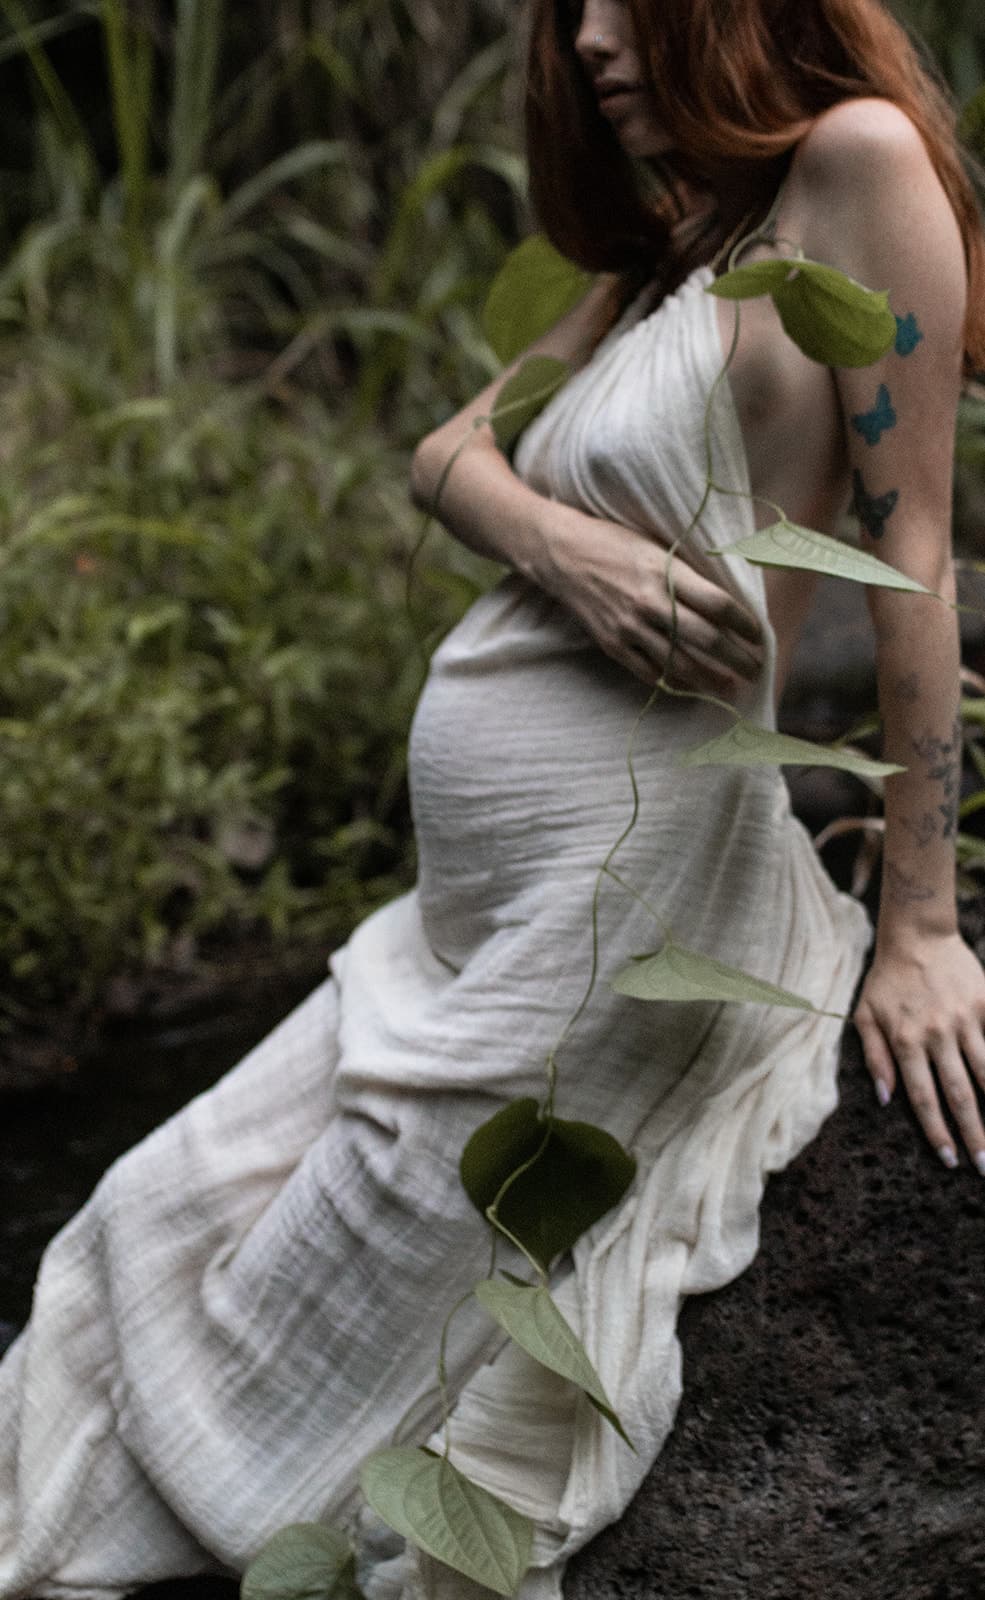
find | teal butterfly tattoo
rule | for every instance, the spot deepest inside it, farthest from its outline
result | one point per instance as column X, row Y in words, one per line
column 873, row 511
column 908, row 334
column 873, row 424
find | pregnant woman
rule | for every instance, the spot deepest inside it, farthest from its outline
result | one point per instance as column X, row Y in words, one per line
column 250, row 1301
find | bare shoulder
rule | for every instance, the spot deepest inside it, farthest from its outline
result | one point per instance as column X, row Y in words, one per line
column 859, row 142
column 864, row 194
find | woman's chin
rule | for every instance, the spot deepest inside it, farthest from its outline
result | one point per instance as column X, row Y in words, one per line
column 643, row 142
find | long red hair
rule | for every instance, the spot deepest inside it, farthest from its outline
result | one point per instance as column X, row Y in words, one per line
column 739, row 82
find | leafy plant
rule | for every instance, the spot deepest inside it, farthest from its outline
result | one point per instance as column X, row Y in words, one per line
column 208, row 669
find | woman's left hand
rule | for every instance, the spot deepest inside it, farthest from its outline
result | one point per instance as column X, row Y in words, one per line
column 922, row 1014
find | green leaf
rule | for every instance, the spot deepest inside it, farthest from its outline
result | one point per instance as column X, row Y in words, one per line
column 306, row 1561
column 531, row 1318
column 579, row 1175
column 524, row 395
column 297, row 162
column 157, row 619
column 973, row 710
column 786, row 544
column 970, row 851
column 972, row 125
column 744, row 745
column 675, row 973
column 435, row 173
column 440, row 1510
column 533, row 289
column 832, row 319
column 752, row 282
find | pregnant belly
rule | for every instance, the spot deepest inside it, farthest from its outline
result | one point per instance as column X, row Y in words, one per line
column 518, row 767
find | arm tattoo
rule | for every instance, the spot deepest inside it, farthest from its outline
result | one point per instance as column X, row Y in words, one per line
column 942, row 758
column 904, row 889
column 873, row 424
column 923, row 829
column 908, row 334
column 873, row 511
column 907, row 689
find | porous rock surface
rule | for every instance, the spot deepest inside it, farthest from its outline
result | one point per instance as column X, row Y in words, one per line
column 831, row 1438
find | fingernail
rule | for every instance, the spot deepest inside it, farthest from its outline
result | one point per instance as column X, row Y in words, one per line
column 980, row 1162
column 948, row 1156
column 884, row 1095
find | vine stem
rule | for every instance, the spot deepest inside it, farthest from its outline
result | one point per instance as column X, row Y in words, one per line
column 497, row 414
column 601, row 874
column 443, row 1368
column 661, row 687
column 606, row 869
column 492, row 1210
column 501, row 1227
column 624, row 883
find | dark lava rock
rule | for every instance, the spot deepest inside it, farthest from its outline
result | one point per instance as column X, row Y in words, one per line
column 831, row 1438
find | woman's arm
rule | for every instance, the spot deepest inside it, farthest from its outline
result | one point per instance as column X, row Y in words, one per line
column 613, row 579
column 883, row 216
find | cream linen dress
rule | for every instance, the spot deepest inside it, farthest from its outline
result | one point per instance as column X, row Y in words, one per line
column 251, row 1299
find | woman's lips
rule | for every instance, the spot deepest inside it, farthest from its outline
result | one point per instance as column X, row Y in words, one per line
column 618, row 95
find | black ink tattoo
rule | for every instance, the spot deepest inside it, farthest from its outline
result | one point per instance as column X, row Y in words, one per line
column 923, row 829
column 906, row 891
column 873, row 424
column 907, row 689
column 908, row 334
column 943, row 761
column 873, row 511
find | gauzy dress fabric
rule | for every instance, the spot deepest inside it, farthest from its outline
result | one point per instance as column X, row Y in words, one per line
column 251, row 1299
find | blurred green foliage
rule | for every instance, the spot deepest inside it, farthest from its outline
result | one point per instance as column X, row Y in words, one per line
column 218, row 340
column 207, row 672
column 245, row 251
column 954, row 31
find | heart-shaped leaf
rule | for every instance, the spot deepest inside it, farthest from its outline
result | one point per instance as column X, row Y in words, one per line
column 305, row 1561
column 580, row 1173
column 524, row 395
column 787, row 544
column 531, row 1318
column 533, row 289
column 444, row 1513
column 832, row 319
column 745, row 745
column 675, row 973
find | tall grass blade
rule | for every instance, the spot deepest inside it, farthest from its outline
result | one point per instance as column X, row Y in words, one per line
column 197, row 38
column 67, row 118
column 39, row 32
column 130, row 61
column 296, row 163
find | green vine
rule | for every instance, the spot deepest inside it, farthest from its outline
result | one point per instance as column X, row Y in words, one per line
column 538, row 1181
